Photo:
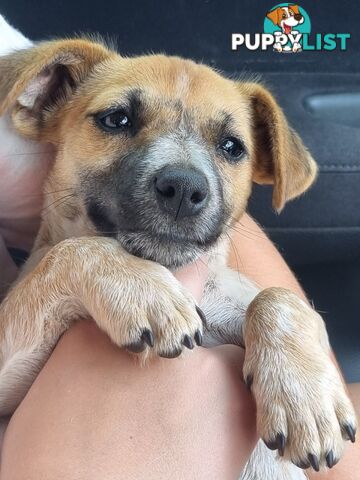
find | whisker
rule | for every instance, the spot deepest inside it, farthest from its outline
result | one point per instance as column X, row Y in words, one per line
column 44, row 194
column 247, row 228
column 22, row 154
column 204, row 263
column 197, row 268
column 237, row 258
column 56, row 203
column 242, row 230
column 251, row 235
column 246, row 235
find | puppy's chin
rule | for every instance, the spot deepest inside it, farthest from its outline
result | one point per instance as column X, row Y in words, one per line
column 171, row 253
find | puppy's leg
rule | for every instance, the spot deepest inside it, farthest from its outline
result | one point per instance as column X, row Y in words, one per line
column 263, row 465
column 225, row 301
column 226, row 297
column 302, row 407
column 303, row 410
column 138, row 303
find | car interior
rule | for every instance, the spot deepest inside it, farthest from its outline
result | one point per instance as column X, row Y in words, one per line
column 318, row 234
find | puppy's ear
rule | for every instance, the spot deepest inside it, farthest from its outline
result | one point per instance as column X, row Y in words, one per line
column 281, row 158
column 36, row 82
column 295, row 9
column 274, row 16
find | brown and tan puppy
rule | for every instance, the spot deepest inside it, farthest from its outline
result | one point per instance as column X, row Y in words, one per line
column 155, row 160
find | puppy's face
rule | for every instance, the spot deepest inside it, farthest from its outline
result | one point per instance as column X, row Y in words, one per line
column 157, row 152
column 286, row 17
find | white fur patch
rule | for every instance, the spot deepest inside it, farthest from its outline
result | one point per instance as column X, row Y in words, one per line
column 182, row 85
column 10, row 38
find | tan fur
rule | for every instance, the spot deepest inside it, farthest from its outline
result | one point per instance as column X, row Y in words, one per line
column 295, row 9
column 68, row 277
column 298, row 353
column 281, row 158
column 275, row 16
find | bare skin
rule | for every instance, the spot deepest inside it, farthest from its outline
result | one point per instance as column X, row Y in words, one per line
column 116, row 420
column 93, row 413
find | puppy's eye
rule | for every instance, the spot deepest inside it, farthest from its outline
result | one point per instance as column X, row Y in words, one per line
column 232, row 147
column 284, row 15
column 114, row 121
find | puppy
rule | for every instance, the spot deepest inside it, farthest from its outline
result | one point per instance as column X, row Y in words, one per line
column 155, row 160
column 286, row 18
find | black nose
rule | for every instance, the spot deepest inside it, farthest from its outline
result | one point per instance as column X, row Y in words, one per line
column 298, row 16
column 181, row 192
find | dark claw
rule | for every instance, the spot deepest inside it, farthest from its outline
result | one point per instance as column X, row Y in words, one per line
column 187, row 341
column 148, row 337
column 198, row 338
column 136, row 347
column 173, row 354
column 314, row 462
column 202, row 316
column 281, row 443
column 302, row 464
column 277, row 444
column 350, row 432
column 271, row 444
column 330, row 460
column 248, row 382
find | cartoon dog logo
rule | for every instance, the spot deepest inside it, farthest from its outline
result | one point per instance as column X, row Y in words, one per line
column 287, row 18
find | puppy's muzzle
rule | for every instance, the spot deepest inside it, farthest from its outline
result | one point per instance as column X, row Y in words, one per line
column 181, row 192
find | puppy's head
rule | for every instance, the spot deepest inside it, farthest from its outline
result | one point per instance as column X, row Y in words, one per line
column 157, row 152
column 286, row 17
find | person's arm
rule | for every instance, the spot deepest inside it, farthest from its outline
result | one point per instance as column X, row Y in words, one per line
column 253, row 254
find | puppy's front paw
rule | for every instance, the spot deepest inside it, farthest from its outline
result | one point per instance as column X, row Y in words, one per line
column 174, row 319
column 144, row 308
column 303, row 410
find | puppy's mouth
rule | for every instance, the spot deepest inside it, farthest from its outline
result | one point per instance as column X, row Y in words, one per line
column 146, row 231
column 287, row 28
column 172, row 216
column 171, row 250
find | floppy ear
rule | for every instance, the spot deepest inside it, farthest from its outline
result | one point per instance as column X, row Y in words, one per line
column 295, row 9
column 274, row 16
column 36, row 82
column 281, row 158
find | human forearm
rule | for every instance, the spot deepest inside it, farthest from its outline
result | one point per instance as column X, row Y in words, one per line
column 253, row 254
